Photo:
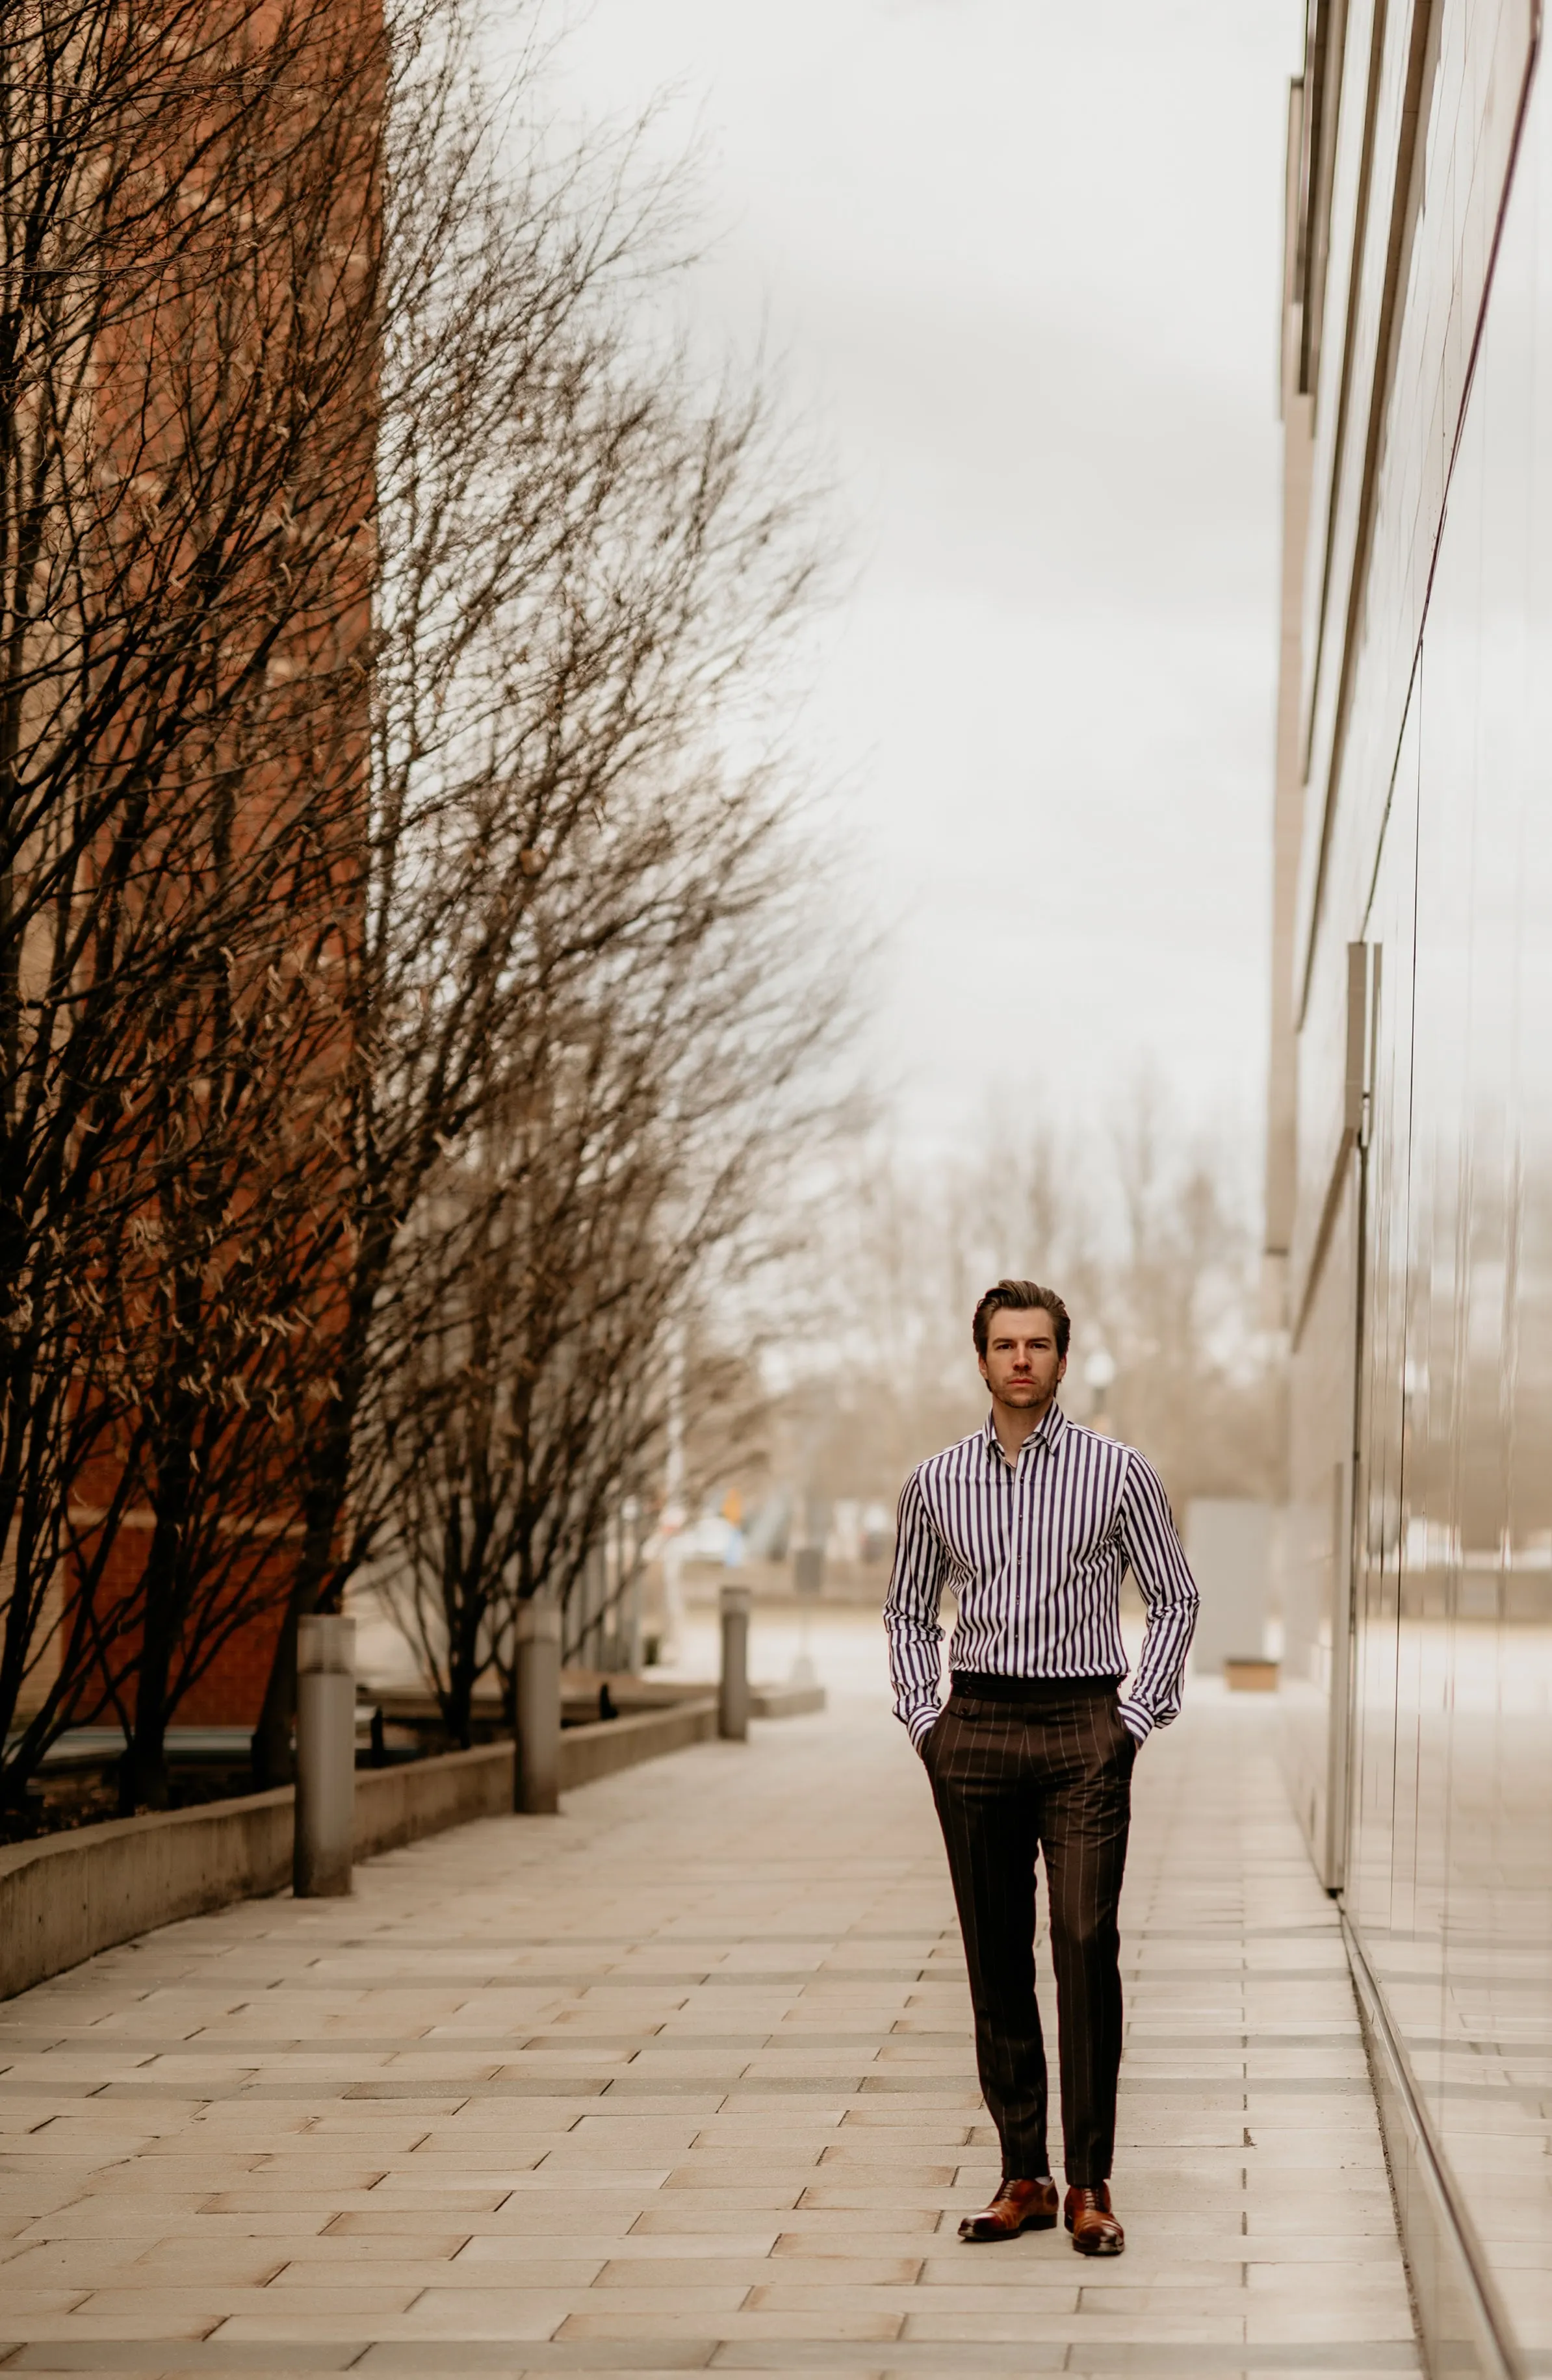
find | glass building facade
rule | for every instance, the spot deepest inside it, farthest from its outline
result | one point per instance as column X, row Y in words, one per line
column 1409, row 1172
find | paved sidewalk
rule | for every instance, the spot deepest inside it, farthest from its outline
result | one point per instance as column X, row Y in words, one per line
column 683, row 2079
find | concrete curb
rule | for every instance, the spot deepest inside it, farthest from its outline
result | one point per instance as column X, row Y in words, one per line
column 66, row 1898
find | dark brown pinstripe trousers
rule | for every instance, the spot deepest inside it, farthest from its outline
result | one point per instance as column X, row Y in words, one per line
column 1048, row 1772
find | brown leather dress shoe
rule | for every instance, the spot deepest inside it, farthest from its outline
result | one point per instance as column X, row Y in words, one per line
column 1018, row 2207
column 1094, row 2230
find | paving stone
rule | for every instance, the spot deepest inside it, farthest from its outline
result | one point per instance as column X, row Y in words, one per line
column 685, row 2075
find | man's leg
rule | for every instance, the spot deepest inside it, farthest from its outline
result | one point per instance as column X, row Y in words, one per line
column 987, row 1808
column 1085, row 1812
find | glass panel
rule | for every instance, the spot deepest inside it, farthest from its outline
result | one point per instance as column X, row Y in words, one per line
column 1386, row 1374
column 1450, row 1867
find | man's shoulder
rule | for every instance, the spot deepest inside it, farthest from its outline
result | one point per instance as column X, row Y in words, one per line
column 1110, row 1458
column 952, row 1462
column 1127, row 1466
column 1080, row 1439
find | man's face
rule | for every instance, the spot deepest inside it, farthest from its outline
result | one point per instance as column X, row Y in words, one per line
column 1020, row 1366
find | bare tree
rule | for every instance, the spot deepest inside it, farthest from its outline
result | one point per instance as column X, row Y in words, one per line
column 633, row 1176
column 577, row 564
column 1198, row 1384
column 189, row 322
column 376, row 601
column 1141, row 1229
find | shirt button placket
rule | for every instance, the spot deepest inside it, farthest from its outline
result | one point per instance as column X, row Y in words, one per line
column 1021, row 1517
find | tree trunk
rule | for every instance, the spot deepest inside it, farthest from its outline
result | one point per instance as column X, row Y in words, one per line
column 143, row 1781
column 142, row 1772
column 273, row 1755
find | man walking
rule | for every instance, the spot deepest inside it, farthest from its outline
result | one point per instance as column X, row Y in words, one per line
column 1032, row 1524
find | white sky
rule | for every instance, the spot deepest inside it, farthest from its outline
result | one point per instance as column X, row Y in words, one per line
column 1020, row 259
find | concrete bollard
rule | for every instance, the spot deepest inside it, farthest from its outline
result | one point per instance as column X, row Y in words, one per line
column 325, row 1806
column 732, row 1708
column 536, row 1755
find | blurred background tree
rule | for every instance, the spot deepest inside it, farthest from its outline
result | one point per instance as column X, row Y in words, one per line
column 1146, row 1230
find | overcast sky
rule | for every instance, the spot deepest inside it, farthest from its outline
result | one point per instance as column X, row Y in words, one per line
column 1020, row 259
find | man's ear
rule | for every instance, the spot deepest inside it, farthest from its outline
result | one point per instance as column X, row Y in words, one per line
column 981, row 1360
column 1061, row 1369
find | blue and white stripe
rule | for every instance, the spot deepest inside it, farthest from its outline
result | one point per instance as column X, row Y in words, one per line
column 1035, row 1552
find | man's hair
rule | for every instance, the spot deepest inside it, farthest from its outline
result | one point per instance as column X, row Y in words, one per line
column 1022, row 1296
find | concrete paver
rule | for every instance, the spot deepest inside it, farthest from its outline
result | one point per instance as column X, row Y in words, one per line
column 683, row 2079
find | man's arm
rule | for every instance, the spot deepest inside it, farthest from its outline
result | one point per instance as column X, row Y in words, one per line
column 910, row 1611
column 1158, row 1564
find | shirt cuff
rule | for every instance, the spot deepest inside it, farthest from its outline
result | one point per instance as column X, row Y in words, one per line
column 1136, row 1721
column 920, row 1724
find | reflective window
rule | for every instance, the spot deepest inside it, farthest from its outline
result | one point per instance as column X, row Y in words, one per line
column 1450, row 1854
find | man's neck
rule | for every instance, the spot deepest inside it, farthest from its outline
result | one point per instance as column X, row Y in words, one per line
column 1015, row 1424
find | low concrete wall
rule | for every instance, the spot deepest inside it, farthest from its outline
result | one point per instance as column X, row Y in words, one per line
column 423, row 1797
column 785, row 1702
column 63, row 1899
column 607, row 1745
column 70, row 1895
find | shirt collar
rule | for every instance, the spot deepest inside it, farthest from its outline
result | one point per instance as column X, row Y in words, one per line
column 1047, row 1435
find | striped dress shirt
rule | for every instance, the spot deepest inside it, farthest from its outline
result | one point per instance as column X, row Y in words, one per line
column 1035, row 1551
